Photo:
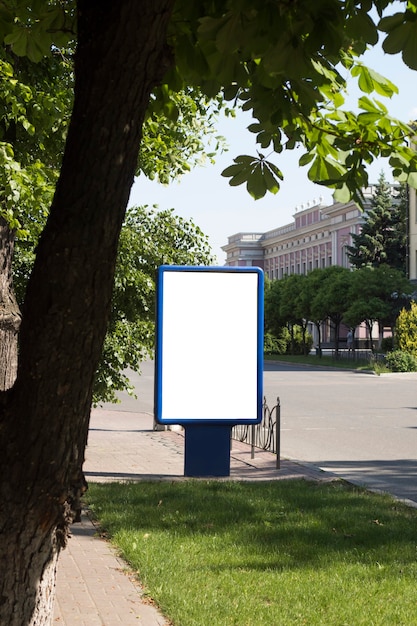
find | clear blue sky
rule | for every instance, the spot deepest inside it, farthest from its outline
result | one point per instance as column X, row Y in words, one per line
column 220, row 210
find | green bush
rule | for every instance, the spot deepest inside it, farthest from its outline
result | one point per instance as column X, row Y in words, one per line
column 297, row 346
column 387, row 344
column 399, row 361
column 282, row 344
column 274, row 345
column 406, row 330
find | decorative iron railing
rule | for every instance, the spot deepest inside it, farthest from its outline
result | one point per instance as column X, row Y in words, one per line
column 265, row 435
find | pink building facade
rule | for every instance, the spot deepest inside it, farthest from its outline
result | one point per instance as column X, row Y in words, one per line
column 317, row 238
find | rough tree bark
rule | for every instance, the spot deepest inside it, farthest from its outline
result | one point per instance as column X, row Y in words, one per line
column 9, row 310
column 44, row 417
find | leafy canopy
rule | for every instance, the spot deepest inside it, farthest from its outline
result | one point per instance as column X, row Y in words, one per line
column 149, row 238
column 286, row 62
column 36, row 84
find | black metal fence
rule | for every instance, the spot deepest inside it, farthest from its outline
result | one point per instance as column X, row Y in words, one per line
column 352, row 355
column 265, row 435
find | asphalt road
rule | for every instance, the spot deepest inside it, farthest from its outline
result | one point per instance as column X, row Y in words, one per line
column 359, row 426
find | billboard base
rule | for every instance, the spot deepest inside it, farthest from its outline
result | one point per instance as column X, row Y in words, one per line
column 207, row 450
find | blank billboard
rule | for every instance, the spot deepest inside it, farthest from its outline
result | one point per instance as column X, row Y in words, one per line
column 209, row 350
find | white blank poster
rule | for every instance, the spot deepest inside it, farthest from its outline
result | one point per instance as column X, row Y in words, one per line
column 208, row 352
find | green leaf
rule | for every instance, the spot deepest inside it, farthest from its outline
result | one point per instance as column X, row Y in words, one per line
column 402, row 37
column 365, row 82
column 232, row 170
column 264, row 139
column 342, row 194
column 361, row 26
column 412, row 179
column 369, row 118
column 229, row 34
column 325, row 170
column 387, row 24
column 230, row 92
column 373, row 106
column 394, row 41
column 382, row 85
column 274, row 169
column 271, row 181
column 242, row 163
column 256, row 184
column 367, row 104
column 240, row 177
column 410, row 49
column 245, row 159
column 18, row 40
column 306, row 158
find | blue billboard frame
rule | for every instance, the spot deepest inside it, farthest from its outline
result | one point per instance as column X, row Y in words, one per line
column 160, row 417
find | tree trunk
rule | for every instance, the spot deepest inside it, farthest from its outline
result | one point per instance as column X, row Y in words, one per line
column 9, row 310
column 369, row 324
column 304, row 332
column 336, row 326
column 318, row 326
column 380, row 334
column 44, row 417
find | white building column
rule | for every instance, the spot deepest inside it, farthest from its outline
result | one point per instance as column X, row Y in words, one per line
column 335, row 257
column 412, row 234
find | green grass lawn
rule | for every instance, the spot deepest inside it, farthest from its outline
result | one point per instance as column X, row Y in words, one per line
column 288, row 553
column 328, row 361
column 324, row 361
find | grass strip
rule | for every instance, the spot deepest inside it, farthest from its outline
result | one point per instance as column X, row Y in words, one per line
column 259, row 554
column 323, row 361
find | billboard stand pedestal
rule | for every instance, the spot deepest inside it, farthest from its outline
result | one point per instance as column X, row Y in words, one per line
column 207, row 450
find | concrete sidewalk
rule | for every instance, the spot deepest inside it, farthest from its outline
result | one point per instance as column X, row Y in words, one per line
column 94, row 587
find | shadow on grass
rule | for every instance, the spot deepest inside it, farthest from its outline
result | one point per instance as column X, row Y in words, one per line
column 271, row 525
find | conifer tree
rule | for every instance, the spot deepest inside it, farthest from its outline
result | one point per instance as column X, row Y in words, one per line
column 382, row 239
column 406, row 329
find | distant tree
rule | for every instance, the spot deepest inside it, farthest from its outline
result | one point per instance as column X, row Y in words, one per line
column 273, row 298
column 332, row 297
column 277, row 336
column 293, row 309
column 398, row 252
column 382, row 239
column 398, row 292
column 375, row 295
column 312, row 307
column 366, row 306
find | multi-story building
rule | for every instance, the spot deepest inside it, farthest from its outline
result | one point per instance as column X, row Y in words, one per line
column 318, row 237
